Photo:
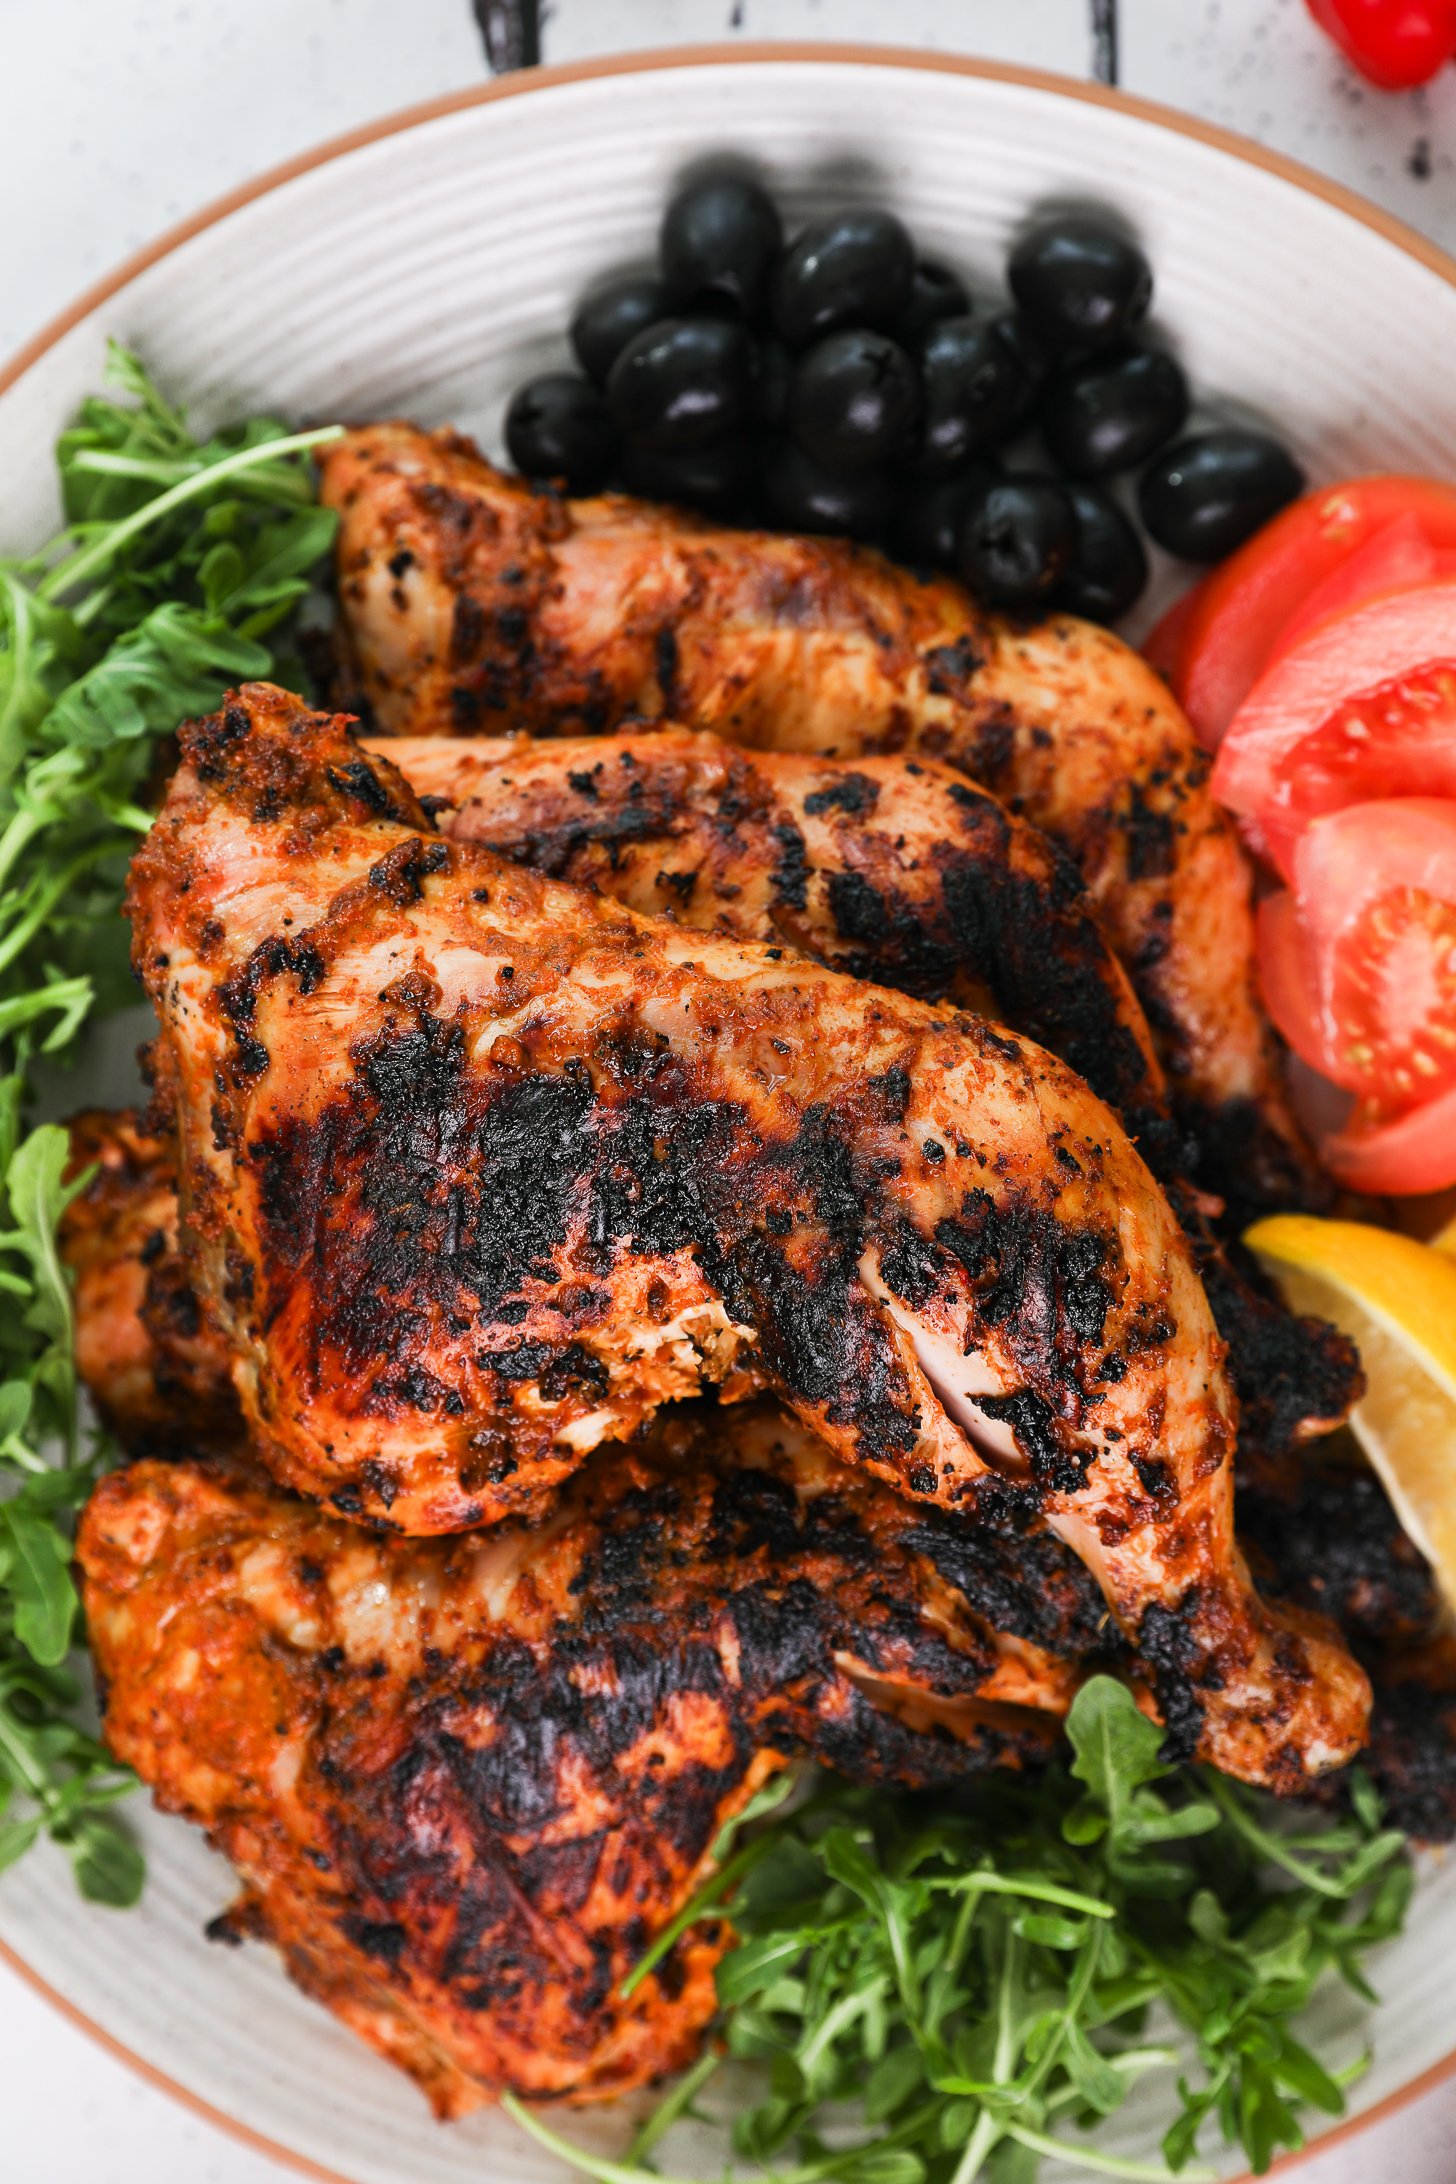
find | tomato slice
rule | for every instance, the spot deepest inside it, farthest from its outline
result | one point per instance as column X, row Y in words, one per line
column 1375, row 887
column 1240, row 610
column 1364, row 707
column 1286, row 976
column 1413, row 1153
column 1399, row 558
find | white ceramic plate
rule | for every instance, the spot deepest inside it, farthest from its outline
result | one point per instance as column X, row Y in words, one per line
column 425, row 268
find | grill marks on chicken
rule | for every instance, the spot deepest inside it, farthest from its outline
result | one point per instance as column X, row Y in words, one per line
column 466, row 1782
column 475, row 605
column 480, row 1170
column 903, row 872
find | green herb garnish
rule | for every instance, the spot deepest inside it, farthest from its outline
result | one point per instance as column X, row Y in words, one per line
column 180, row 569
column 934, row 1990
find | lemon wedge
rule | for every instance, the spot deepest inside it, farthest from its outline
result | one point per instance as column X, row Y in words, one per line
column 1397, row 1300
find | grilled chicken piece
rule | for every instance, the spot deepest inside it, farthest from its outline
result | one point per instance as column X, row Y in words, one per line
column 904, row 873
column 474, row 604
column 901, row 871
column 466, row 1782
column 1322, row 1534
column 479, row 1170
column 156, row 1372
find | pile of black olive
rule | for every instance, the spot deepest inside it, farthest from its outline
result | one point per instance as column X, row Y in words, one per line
column 839, row 383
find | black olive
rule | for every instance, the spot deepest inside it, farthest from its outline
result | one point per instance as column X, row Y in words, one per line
column 1111, row 415
column 1109, row 566
column 771, row 383
column 1035, row 358
column 1080, row 282
column 682, row 383
column 1017, row 541
column 607, row 318
column 1214, row 490
column 801, row 495
column 718, row 480
column 972, row 390
column 853, row 269
column 557, row 427
column 935, row 293
column 927, row 525
column 853, row 400
column 721, row 235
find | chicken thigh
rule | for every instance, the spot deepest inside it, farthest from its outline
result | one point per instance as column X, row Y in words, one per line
column 466, row 1782
column 478, row 1171
column 473, row 604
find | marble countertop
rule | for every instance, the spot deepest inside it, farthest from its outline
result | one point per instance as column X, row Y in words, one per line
column 125, row 115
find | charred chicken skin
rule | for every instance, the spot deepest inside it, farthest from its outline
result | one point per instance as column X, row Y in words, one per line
column 1321, row 1534
column 475, row 605
column 897, row 870
column 478, row 1171
column 466, row 1782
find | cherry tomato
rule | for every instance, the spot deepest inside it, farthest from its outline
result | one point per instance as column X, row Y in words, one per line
column 1415, row 1152
column 1364, row 707
column 1237, row 615
column 1396, row 44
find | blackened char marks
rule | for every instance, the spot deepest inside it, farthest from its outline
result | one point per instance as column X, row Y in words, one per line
column 1286, row 1369
column 851, row 792
column 1034, row 1425
column 1015, row 1575
column 889, row 939
column 1167, row 1647
column 238, row 996
column 1323, row 1534
column 1032, row 1272
column 1029, row 935
column 1150, row 833
column 791, row 871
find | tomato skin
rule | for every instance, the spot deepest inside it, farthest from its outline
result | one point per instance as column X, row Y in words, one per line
column 1364, row 707
column 1238, row 613
column 1286, row 977
column 1414, row 1153
column 1396, row 44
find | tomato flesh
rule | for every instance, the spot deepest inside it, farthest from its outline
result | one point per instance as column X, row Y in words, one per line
column 1375, row 887
column 1415, row 1152
column 1236, row 618
column 1364, row 707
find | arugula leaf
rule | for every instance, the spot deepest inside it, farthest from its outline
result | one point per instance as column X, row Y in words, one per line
column 179, row 559
column 953, row 1988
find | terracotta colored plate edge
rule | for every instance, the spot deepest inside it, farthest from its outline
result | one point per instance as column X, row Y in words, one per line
column 1228, row 141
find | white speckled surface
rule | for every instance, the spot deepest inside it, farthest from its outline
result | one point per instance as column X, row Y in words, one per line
column 123, row 115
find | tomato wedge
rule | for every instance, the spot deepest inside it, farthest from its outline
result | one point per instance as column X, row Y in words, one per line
column 1375, row 888
column 1286, row 976
column 1414, row 1153
column 1364, row 707
column 1237, row 615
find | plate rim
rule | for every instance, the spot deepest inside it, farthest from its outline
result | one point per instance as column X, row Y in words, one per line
column 660, row 60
